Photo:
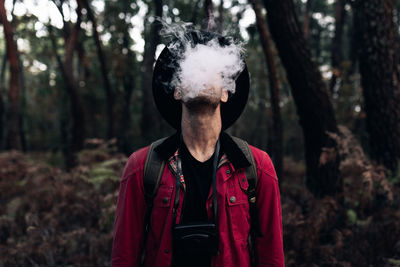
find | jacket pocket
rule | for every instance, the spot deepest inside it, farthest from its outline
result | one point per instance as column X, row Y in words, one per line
column 238, row 211
column 159, row 214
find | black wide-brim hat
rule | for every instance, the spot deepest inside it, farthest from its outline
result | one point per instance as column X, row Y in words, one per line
column 167, row 65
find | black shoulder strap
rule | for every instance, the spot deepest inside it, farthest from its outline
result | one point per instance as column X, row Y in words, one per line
column 251, row 175
column 251, row 171
column 152, row 172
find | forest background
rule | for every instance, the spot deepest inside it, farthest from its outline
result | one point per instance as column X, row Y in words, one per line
column 75, row 101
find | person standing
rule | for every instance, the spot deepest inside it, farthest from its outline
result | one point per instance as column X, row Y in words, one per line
column 204, row 210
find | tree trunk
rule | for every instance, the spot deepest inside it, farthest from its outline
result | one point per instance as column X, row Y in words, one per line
column 149, row 121
column 69, row 159
column 209, row 11
column 21, row 121
column 83, row 64
column 379, row 67
column 336, row 55
column 310, row 95
column 353, row 50
column 2, row 90
column 75, row 143
column 277, row 138
column 195, row 12
column 221, row 16
column 13, row 140
column 128, row 83
column 2, row 128
column 306, row 20
column 78, row 122
column 104, row 72
column 21, row 76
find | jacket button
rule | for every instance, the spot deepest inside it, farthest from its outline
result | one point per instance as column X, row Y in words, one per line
column 228, row 171
column 165, row 200
column 232, row 199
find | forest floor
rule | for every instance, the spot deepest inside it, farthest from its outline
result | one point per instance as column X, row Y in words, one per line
column 52, row 218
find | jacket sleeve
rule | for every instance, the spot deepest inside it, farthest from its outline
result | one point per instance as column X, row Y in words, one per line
column 129, row 217
column 269, row 245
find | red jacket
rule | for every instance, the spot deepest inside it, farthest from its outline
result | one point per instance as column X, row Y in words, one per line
column 233, row 216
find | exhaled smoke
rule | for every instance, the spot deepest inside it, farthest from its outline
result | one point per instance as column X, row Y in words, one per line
column 204, row 61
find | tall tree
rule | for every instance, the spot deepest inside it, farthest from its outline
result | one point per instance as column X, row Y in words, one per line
column 149, row 120
column 21, row 76
column 274, row 86
column 75, row 143
column 13, row 140
column 378, row 44
column 128, row 83
column 337, row 51
column 306, row 20
column 209, row 23
column 221, row 16
column 310, row 95
column 104, row 71
column 2, row 90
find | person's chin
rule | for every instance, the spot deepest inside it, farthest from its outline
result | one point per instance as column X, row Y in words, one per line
column 201, row 103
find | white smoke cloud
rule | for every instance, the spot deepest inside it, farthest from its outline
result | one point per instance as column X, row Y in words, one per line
column 208, row 65
column 203, row 66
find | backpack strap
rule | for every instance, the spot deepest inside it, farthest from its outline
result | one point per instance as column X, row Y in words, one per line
column 250, row 171
column 152, row 173
column 251, row 175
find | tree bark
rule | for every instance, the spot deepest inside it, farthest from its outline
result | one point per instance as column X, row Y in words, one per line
column 2, row 128
column 21, row 121
column 379, row 67
column 336, row 55
column 21, row 76
column 69, row 159
column 277, row 135
column 209, row 24
column 128, row 83
column 13, row 113
column 104, row 71
column 78, row 128
column 2, row 90
column 149, row 120
column 221, row 16
column 310, row 95
column 306, row 20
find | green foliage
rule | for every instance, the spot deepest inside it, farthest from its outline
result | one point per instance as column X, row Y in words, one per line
column 352, row 216
column 102, row 172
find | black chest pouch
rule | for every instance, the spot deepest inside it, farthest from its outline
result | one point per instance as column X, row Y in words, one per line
column 196, row 239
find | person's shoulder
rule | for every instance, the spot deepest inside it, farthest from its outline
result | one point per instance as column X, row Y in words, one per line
column 135, row 162
column 263, row 162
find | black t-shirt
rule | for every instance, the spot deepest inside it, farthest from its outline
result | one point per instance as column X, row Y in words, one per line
column 198, row 179
column 198, row 176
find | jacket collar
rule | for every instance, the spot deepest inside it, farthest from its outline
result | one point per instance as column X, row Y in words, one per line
column 234, row 154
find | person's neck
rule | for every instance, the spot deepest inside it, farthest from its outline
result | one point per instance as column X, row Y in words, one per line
column 200, row 132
